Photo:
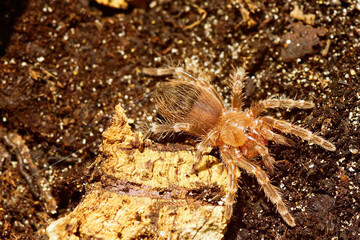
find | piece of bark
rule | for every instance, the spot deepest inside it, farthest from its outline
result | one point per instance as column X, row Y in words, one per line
column 145, row 190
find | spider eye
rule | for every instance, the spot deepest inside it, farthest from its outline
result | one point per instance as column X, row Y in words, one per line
column 247, row 130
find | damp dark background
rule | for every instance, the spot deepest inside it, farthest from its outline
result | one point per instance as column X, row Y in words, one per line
column 66, row 64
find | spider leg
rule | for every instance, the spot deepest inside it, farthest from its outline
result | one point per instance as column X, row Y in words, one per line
column 179, row 71
column 232, row 186
column 263, row 151
column 277, row 138
column 279, row 103
column 269, row 161
column 158, row 72
column 303, row 133
column 170, row 127
column 270, row 190
column 202, row 146
column 237, row 78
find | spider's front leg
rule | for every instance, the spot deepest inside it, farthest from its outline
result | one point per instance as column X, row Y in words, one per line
column 232, row 186
column 279, row 103
column 270, row 191
column 268, row 160
column 237, row 78
column 277, row 138
column 303, row 133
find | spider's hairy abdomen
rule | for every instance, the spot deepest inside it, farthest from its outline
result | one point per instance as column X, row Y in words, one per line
column 188, row 103
column 175, row 100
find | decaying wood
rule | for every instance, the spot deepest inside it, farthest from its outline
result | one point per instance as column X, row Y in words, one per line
column 145, row 191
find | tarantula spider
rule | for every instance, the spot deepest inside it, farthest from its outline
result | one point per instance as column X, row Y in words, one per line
column 192, row 105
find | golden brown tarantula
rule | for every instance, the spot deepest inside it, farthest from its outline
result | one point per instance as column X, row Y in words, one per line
column 189, row 104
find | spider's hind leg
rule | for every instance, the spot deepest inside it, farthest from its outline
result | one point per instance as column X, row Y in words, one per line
column 166, row 128
column 202, row 146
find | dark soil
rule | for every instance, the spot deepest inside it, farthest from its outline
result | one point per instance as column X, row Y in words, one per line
column 66, row 64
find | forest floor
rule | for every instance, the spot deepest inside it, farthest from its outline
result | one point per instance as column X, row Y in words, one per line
column 65, row 65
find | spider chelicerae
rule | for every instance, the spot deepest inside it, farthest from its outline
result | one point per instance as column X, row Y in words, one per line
column 192, row 105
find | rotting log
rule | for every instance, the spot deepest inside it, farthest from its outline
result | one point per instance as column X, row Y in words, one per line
column 144, row 190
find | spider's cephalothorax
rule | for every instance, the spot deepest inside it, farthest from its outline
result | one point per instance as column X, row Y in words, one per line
column 192, row 105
